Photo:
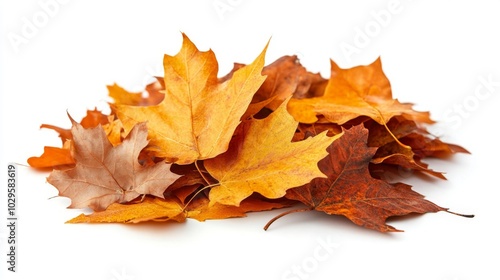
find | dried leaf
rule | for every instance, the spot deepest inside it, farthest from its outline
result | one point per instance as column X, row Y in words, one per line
column 350, row 190
column 264, row 160
column 350, row 93
column 150, row 209
column 105, row 174
column 198, row 116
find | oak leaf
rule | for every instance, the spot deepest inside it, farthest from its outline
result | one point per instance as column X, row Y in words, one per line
column 198, row 115
column 263, row 159
column 105, row 174
column 350, row 190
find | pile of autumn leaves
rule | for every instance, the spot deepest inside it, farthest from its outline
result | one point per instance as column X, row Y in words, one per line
column 260, row 138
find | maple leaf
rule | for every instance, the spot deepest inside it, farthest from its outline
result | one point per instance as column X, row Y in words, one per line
column 61, row 158
column 92, row 119
column 222, row 147
column 350, row 190
column 354, row 92
column 105, row 174
column 263, row 159
column 198, row 115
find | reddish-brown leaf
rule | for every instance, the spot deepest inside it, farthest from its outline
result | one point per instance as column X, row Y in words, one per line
column 350, row 190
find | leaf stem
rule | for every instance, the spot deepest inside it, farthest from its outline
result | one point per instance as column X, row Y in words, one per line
column 201, row 173
column 461, row 215
column 390, row 132
column 284, row 214
column 197, row 193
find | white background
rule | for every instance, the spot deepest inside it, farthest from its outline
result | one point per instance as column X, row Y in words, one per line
column 435, row 55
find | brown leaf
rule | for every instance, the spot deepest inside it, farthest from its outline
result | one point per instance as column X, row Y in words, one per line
column 92, row 119
column 424, row 146
column 396, row 154
column 285, row 77
column 105, row 174
column 350, row 190
column 411, row 147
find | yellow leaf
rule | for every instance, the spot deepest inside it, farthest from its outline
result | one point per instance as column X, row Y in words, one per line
column 263, row 159
column 151, row 209
column 198, row 115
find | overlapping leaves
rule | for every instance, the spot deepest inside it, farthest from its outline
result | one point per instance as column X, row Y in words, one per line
column 197, row 146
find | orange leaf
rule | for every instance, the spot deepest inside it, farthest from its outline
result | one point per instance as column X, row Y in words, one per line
column 123, row 97
column 150, row 209
column 201, row 210
column 354, row 92
column 171, row 209
column 53, row 157
column 285, row 77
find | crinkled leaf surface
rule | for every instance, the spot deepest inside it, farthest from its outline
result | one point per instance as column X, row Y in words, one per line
column 350, row 190
column 105, row 174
